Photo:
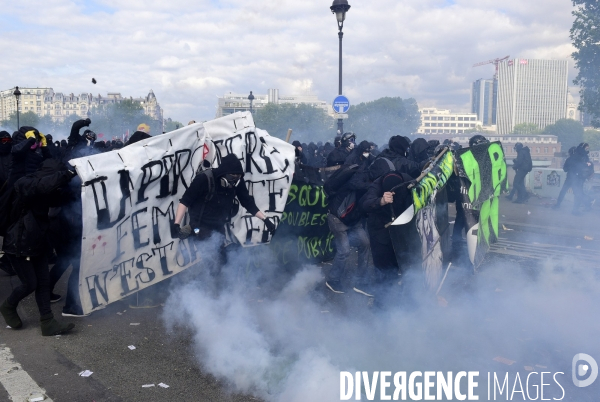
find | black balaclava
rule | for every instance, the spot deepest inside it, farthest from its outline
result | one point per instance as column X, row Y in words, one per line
column 6, row 142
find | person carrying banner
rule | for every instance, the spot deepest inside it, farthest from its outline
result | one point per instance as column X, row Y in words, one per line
column 210, row 198
column 386, row 194
column 344, row 189
column 26, row 242
column 522, row 165
column 68, row 247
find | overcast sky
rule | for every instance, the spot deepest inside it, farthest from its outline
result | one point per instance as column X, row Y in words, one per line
column 190, row 51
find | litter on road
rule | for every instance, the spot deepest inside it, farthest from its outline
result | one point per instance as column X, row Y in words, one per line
column 503, row 360
column 131, row 347
column 134, row 323
column 86, row 373
column 147, row 385
column 162, row 385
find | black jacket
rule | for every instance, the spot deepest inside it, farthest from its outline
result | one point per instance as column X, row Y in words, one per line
column 523, row 160
column 337, row 156
column 5, row 161
column 24, row 159
column 353, row 188
column 402, row 163
column 35, row 194
column 219, row 209
column 378, row 215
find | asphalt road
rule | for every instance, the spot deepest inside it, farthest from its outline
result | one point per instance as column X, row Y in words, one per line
column 100, row 342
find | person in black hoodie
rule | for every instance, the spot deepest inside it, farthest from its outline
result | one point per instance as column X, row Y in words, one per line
column 339, row 154
column 345, row 222
column 137, row 136
column 419, row 151
column 397, row 153
column 210, row 212
column 582, row 169
column 387, row 197
column 5, row 161
column 6, row 143
column 522, row 165
column 68, row 247
column 568, row 168
column 26, row 243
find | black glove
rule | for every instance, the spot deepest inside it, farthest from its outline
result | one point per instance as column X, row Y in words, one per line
column 269, row 225
column 72, row 173
column 87, row 122
column 177, row 231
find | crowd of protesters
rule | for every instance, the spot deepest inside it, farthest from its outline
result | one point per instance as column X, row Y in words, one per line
column 41, row 219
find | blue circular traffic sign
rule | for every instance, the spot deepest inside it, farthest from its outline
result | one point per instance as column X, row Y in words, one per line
column 341, row 104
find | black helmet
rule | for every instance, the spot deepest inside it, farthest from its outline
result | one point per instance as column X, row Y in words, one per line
column 89, row 135
column 347, row 138
column 477, row 139
column 518, row 146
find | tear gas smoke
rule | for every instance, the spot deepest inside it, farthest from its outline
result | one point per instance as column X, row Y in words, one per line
column 271, row 334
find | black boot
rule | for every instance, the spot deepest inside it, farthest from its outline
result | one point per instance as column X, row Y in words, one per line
column 52, row 327
column 9, row 312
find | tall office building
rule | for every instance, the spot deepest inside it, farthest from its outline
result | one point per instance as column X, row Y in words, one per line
column 483, row 101
column 531, row 91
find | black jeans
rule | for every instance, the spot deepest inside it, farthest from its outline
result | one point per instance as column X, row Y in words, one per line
column 34, row 276
column 519, row 185
column 563, row 191
column 68, row 254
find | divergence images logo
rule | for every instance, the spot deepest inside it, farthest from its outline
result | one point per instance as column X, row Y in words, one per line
column 581, row 369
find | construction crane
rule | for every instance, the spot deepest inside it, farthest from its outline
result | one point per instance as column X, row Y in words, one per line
column 495, row 62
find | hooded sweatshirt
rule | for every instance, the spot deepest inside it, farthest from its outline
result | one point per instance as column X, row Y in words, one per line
column 220, row 208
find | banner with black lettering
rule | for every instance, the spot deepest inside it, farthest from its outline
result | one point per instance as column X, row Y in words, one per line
column 482, row 174
column 129, row 198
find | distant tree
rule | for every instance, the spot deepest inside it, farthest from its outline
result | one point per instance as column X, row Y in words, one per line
column 526, row 129
column 380, row 119
column 309, row 123
column 568, row 131
column 585, row 34
column 592, row 137
column 25, row 119
column 171, row 125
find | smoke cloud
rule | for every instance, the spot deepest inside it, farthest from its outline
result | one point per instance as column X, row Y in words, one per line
column 277, row 335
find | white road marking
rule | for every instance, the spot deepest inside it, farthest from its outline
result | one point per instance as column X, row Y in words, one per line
column 19, row 385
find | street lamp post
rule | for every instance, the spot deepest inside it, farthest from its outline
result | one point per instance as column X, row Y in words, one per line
column 17, row 95
column 340, row 8
column 251, row 99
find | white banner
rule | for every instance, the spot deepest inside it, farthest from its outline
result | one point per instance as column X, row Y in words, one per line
column 130, row 197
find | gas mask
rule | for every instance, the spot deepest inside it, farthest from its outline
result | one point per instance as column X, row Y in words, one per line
column 366, row 155
column 230, row 180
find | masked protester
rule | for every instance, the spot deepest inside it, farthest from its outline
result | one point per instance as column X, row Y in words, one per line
column 68, row 247
column 569, row 169
column 522, row 165
column 137, row 136
column 397, row 153
column 583, row 169
column 6, row 143
column 339, row 154
column 5, row 161
column 300, row 157
column 210, row 200
column 386, row 198
column 345, row 222
column 26, row 242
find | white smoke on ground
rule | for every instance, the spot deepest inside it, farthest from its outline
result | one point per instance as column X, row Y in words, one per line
column 281, row 338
